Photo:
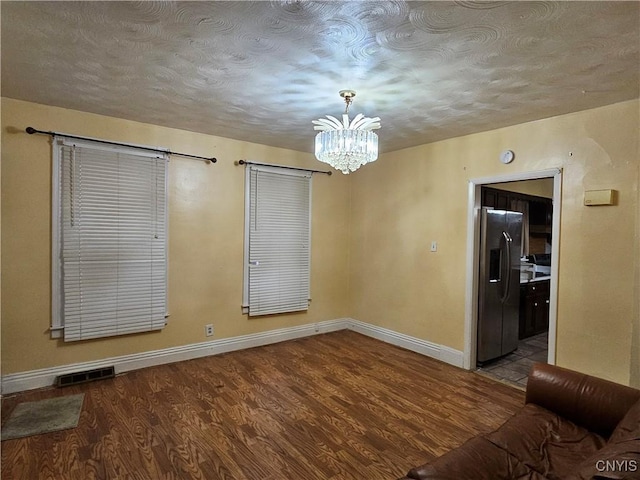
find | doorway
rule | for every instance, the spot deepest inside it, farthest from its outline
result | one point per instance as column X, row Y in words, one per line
column 473, row 259
column 522, row 317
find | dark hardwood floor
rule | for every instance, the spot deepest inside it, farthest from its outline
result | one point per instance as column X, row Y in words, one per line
column 335, row 406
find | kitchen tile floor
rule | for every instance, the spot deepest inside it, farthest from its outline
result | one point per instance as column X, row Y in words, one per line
column 514, row 368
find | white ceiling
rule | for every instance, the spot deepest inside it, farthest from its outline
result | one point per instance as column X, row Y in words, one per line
column 261, row 71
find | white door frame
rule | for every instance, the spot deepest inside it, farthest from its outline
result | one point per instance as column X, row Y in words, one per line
column 473, row 259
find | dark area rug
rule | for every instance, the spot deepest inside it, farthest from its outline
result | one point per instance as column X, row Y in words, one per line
column 44, row 416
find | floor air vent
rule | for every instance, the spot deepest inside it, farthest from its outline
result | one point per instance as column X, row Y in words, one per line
column 86, row 376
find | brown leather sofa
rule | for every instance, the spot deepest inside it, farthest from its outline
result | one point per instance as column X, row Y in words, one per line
column 572, row 427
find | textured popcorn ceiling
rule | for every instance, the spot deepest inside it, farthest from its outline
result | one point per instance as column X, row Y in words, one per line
column 261, row 71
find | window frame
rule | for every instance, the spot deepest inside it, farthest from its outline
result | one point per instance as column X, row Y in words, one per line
column 58, row 142
column 247, row 226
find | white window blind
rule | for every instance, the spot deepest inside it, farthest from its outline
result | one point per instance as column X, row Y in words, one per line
column 277, row 240
column 111, row 245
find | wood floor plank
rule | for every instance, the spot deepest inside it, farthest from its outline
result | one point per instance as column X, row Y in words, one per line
column 338, row 406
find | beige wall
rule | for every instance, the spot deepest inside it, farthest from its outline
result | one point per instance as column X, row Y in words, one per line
column 206, row 205
column 371, row 236
column 409, row 198
column 542, row 187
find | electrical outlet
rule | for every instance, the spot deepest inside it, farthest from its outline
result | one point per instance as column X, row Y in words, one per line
column 208, row 330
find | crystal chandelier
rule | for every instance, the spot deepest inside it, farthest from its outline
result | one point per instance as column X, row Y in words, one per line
column 345, row 145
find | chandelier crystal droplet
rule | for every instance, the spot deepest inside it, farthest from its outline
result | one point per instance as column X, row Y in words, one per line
column 347, row 145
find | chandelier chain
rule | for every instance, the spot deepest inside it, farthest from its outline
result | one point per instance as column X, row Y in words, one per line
column 347, row 101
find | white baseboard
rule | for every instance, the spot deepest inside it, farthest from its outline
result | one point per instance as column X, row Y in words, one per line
column 45, row 377
column 423, row 347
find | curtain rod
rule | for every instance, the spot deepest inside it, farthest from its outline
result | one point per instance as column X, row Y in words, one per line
column 245, row 162
column 31, row 131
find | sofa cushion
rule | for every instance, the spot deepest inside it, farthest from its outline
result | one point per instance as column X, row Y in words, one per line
column 620, row 458
column 593, row 403
column 617, row 460
column 629, row 426
column 477, row 459
column 545, row 442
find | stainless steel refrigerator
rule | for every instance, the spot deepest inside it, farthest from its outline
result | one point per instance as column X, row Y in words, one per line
column 499, row 285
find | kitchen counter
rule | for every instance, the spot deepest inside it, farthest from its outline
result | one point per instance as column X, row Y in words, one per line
column 535, row 279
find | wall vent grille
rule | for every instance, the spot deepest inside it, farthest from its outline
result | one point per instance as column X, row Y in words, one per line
column 86, row 376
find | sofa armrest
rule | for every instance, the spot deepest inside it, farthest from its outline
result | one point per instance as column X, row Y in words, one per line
column 593, row 403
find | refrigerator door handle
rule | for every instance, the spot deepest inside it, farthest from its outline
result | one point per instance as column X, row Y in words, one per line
column 507, row 285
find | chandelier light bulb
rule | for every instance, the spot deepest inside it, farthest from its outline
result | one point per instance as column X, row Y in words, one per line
column 346, row 145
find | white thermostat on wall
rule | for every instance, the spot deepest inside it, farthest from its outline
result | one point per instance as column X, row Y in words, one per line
column 507, row 156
